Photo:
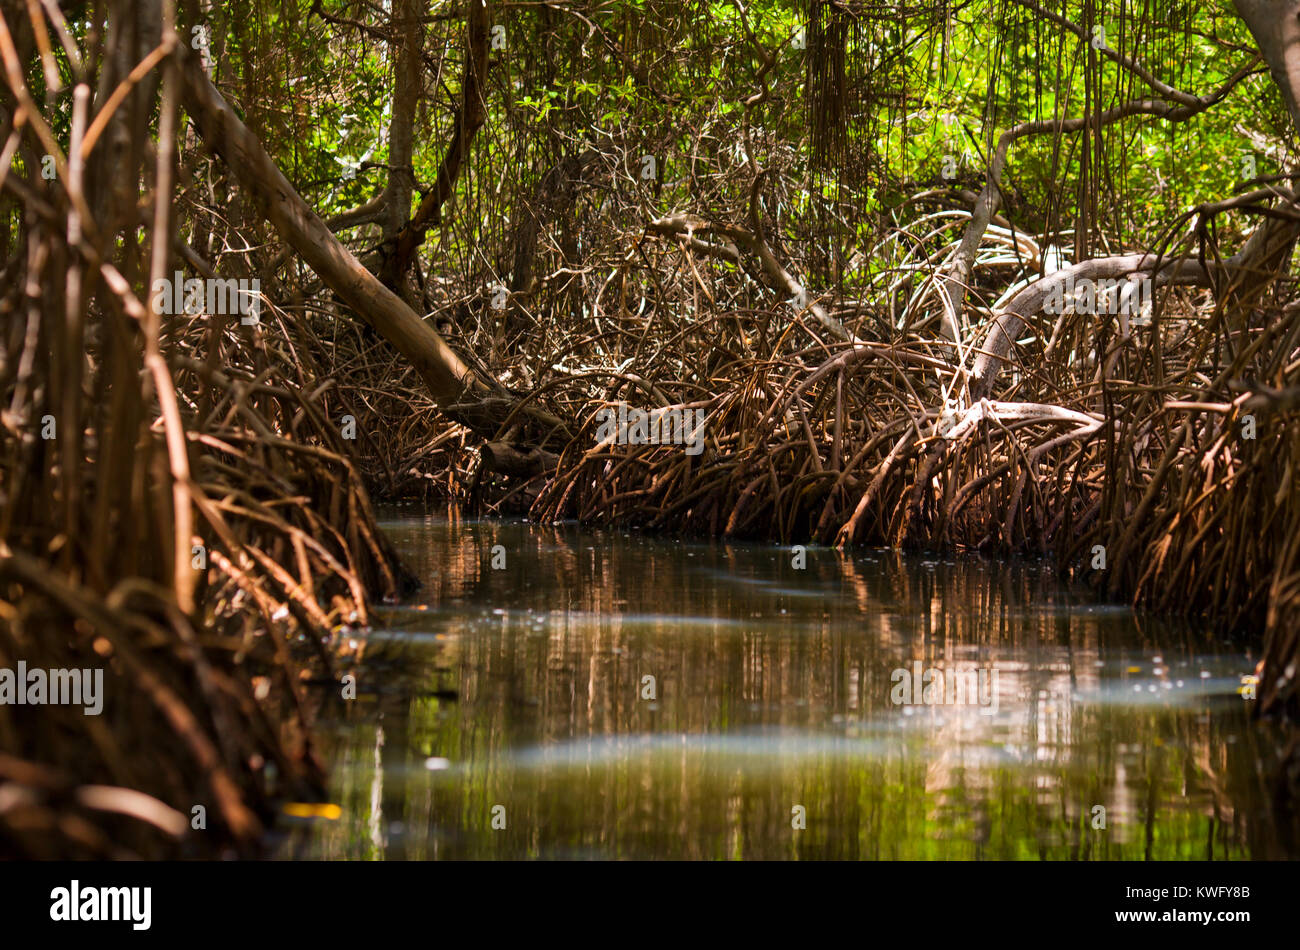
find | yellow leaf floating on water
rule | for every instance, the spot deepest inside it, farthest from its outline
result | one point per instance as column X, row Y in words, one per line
column 328, row 811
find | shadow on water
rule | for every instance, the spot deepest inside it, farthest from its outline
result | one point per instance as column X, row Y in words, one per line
column 609, row 695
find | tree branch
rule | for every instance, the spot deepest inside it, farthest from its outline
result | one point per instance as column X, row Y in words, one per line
column 473, row 111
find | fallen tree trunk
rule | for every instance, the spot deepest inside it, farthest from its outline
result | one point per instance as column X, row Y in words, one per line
column 446, row 375
column 1239, row 280
column 1011, row 322
column 464, row 396
column 506, row 458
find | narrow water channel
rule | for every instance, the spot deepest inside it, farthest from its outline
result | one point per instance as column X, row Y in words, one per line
column 611, row 695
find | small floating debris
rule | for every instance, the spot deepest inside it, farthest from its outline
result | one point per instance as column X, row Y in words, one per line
column 325, row 810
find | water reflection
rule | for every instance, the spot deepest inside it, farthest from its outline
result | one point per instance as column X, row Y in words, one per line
column 607, row 695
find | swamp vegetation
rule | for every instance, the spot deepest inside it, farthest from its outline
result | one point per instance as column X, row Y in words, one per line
column 1001, row 277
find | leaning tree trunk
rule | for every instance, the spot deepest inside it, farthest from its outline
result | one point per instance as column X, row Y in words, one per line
column 1275, row 25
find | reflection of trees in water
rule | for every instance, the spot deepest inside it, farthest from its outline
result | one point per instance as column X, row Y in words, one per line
column 775, row 691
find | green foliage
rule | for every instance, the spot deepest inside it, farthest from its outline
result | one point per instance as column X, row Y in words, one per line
column 687, row 83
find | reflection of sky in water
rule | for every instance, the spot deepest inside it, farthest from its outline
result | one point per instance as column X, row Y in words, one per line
column 523, row 689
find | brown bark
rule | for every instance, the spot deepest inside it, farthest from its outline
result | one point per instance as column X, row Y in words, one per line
column 506, row 458
column 1275, row 25
column 408, row 73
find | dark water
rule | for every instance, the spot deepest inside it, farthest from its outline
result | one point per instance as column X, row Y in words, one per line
column 521, row 694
